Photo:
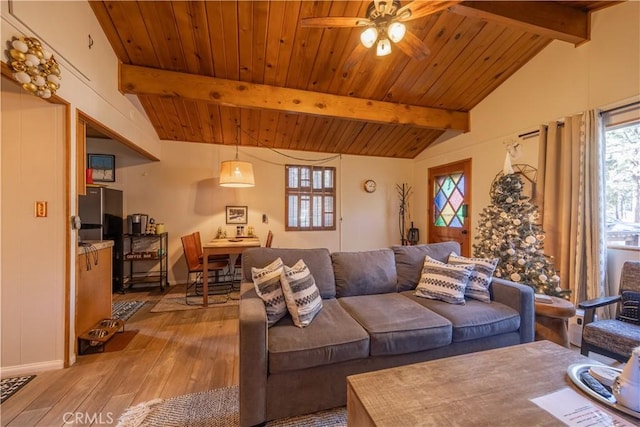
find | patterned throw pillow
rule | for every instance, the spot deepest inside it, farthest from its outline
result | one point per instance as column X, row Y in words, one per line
column 480, row 277
column 301, row 294
column 630, row 307
column 267, row 283
column 442, row 281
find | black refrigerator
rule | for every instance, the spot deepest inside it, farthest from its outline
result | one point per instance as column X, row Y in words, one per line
column 101, row 213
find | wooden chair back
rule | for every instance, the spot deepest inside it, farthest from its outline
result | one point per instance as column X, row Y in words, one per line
column 196, row 236
column 269, row 240
column 191, row 253
column 630, row 276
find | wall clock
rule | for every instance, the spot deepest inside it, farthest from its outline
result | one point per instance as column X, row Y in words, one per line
column 369, row 186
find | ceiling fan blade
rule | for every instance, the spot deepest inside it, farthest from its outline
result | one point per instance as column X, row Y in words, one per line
column 355, row 56
column 413, row 46
column 418, row 9
column 335, row 21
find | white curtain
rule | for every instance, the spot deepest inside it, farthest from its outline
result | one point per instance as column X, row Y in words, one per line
column 571, row 202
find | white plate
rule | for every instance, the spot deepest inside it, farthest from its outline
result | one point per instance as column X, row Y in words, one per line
column 574, row 372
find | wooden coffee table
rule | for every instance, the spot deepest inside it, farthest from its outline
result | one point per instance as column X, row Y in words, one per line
column 487, row 388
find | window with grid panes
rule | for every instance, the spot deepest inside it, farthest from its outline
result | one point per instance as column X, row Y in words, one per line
column 310, row 198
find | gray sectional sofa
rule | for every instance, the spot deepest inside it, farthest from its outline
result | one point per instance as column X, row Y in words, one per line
column 370, row 320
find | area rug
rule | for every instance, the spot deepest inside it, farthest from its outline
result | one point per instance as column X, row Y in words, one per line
column 11, row 385
column 125, row 309
column 177, row 302
column 214, row 408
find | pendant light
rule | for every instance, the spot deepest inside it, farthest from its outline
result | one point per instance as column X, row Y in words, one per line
column 235, row 173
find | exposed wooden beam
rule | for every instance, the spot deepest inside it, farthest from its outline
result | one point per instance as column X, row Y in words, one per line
column 150, row 81
column 545, row 18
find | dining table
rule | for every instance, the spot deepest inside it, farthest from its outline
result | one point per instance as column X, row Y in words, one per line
column 222, row 247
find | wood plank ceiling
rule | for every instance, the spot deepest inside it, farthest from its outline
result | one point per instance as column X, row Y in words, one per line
column 247, row 72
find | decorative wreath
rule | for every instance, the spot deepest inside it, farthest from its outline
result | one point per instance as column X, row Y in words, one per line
column 527, row 171
column 34, row 67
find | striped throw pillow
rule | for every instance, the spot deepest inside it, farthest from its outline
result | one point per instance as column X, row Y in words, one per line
column 301, row 294
column 267, row 283
column 480, row 277
column 442, row 281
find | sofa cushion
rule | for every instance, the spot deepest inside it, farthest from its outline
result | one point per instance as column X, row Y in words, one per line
column 397, row 325
column 364, row 273
column 318, row 261
column 333, row 336
column 475, row 319
column 301, row 294
column 445, row 282
column 409, row 260
column 267, row 284
column 480, row 277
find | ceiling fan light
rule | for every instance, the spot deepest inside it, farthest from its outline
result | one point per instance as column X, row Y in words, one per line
column 384, row 47
column 368, row 37
column 396, row 31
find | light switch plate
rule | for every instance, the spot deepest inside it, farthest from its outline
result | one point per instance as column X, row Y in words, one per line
column 41, row 209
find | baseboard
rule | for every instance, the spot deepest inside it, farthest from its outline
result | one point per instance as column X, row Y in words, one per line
column 30, row 368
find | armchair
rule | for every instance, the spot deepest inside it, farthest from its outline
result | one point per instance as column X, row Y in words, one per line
column 612, row 337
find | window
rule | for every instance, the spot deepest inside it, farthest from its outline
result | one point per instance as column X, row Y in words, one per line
column 310, row 199
column 622, row 176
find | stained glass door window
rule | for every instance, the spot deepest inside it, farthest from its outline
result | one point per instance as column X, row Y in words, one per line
column 449, row 206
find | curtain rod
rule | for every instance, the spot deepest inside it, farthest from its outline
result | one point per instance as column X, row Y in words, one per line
column 536, row 132
column 622, row 107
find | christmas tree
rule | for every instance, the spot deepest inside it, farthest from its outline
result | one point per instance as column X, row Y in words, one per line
column 509, row 230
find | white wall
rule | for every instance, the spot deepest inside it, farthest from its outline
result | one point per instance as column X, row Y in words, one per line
column 89, row 84
column 89, row 74
column 182, row 191
column 32, row 261
column 561, row 80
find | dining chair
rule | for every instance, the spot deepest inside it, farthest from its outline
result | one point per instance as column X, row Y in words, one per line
column 237, row 266
column 212, row 258
column 218, row 280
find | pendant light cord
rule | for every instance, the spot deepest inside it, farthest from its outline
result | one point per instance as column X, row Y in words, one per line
column 315, row 161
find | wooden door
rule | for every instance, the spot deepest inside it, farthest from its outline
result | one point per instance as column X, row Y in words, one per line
column 450, row 204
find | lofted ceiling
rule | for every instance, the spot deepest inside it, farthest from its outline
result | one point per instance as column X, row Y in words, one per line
column 248, row 72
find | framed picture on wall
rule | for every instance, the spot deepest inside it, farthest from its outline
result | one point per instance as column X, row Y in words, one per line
column 236, row 215
column 103, row 167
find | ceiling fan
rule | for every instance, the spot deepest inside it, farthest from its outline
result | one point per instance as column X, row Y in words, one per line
column 384, row 24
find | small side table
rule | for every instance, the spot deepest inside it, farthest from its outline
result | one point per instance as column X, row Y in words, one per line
column 551, row 320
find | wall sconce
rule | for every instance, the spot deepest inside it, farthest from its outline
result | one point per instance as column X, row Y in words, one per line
column 35, row 68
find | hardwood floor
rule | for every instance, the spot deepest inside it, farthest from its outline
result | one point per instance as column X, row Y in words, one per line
column 173, row 353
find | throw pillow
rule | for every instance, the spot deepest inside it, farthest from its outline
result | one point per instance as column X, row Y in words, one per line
column 630, row 307
column 267, row 283
column 301, row 294
column 480, row 277
column 442, row 281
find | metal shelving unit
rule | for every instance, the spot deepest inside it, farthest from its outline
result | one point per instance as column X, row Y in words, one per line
column 147, row 258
